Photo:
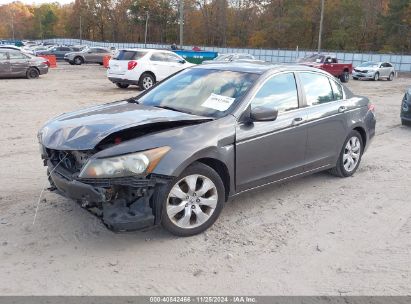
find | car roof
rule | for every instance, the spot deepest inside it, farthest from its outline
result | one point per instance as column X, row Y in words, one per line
column 256, row 67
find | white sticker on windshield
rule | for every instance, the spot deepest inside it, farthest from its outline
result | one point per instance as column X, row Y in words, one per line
column 218, row 102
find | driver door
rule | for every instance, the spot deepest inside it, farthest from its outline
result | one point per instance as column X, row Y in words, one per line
column 268, row 151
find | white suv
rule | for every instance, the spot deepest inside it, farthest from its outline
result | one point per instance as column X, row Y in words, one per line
column 143, row 67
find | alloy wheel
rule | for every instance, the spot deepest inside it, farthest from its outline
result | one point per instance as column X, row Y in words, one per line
column 352, row 153
column 192, row 201
column 147, row 82
column 376, row 76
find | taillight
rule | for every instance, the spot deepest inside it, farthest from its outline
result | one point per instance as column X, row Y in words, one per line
column 371, row 107
column 131, row 64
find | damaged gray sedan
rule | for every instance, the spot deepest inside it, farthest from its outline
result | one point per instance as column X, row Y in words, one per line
column 175, row 154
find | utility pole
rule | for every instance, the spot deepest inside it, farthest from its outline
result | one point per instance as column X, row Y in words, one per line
column 181, row 9
column 81, row 32
column 12, row 24
column 145, row 34
column 321, row 26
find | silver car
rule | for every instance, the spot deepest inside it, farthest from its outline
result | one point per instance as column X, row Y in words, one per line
column 88, row 55
column 15, row 63
column 374, row 71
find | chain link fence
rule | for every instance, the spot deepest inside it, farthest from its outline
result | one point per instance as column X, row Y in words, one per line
column 401, row 62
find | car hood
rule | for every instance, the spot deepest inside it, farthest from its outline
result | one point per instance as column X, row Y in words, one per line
column 85, row 129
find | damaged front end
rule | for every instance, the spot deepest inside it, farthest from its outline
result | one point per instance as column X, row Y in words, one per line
column 123, row 203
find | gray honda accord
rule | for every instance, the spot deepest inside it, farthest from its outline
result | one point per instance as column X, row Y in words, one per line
column 176, row 153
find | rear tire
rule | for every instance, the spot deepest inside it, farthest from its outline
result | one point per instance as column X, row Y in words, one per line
column 198, row 208
column 350, row 156
column 391, row 77
column 32, row 73
column 122, row 85
column 345, row 77
column 146, row 81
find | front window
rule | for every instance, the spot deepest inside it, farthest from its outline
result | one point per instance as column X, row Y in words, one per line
column 317, row 88
column 279, row 92
column 313, row 58
column 204, row 92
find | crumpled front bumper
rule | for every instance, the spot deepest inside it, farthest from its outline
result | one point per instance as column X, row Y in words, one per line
column 101, row 198
column 368, row 75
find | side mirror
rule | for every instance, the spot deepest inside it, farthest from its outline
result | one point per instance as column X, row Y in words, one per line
column 182, row 61
column 263, row 114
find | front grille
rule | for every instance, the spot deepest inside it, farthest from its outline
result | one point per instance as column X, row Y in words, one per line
column 72, row 161
column 118, row 181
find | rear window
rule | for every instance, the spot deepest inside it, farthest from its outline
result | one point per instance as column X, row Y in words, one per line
column 130, row 55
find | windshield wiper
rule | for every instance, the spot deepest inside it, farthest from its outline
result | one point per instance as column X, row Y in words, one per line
column 133, row 100
column 168, row 108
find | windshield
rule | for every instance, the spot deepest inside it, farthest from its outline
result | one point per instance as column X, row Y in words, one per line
column 312, row 58
column 368, row 64
column 224, row 57
column 204, row 92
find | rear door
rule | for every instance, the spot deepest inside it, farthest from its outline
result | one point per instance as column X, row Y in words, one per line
column 268, row 151
column 326, row 119
column 4, row 64
column 160, row 65
column 19, row 63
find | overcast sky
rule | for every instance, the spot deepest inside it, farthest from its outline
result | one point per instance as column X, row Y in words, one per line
column 37, row 1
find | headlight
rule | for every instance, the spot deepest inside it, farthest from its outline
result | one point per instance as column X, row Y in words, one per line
column 124, row 165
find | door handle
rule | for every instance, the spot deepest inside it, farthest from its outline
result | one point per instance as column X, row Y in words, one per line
column 298, row 120
column 342, row 109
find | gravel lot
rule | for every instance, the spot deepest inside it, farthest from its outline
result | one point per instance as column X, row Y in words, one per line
column 318, row 235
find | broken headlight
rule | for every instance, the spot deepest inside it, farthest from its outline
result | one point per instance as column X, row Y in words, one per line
column 124, row 165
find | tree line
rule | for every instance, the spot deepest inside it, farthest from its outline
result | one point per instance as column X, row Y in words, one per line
column 351, row 25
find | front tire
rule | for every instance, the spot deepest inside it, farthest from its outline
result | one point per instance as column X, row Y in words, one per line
column 350, row 155
column 32, row 73
column 78, row 60
column 405, row 122
column 146, row 81
column 192, row 202
column 376, row 76
column 122, row 85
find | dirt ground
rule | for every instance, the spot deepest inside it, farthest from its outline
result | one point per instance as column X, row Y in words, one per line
column 318, row 235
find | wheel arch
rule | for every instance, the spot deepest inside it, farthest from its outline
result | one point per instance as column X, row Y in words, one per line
column 151, row 73
column 221, row 169
column 363, row 134
column 34, row 67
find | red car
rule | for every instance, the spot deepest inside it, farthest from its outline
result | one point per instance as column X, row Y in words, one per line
column 328, row 63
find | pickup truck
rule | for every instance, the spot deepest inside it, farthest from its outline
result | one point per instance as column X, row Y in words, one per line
column 328, row 63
